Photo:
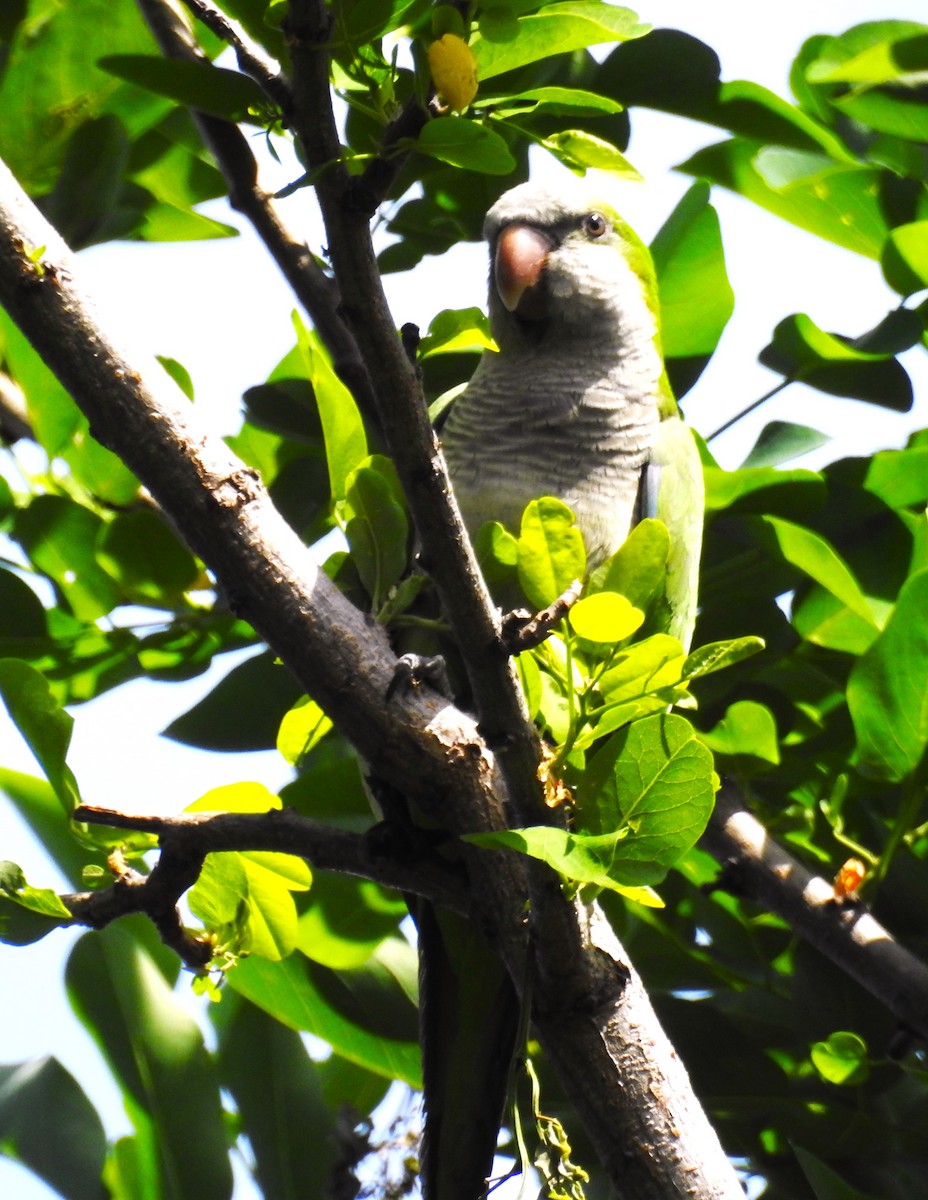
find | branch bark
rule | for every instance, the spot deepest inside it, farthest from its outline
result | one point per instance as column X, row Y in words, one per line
column 583, row 1005
column 757, row 867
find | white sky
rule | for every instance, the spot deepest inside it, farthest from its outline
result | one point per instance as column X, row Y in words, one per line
column 229, row 324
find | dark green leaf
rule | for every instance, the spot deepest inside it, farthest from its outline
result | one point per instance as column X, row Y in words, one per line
column 202, row 86
column 156, row 1051
column 905, row 257
column 243, row 711
column 782, row 441
column 886, row 691
column 48, row 1124
column 43, row 723
column 144, row 554
column 278, row 1095
column 60, row 538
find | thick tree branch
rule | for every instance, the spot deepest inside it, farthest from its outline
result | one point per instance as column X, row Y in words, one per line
column 411, row 441
column 315, row 290
column 757, row 867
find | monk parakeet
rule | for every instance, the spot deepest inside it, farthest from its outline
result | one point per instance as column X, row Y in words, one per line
column 576, row 404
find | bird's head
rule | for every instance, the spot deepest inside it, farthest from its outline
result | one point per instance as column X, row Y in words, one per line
column 563, row 262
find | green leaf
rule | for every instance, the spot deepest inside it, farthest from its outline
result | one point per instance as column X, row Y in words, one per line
column 638, row 569
column 842, row 1059
column 303, row 727
column 782, row 441
column 26, row 913
column 288, row 991
column 814, row 556
column 342, row 427
column 552, row 101
column 605, row 617
column 243, row 711
column 48, row 1124
column 715, row 656
column 877, row 52
column 905, row 258
column 580, row 151
column 202, row 86
column 696, row 297
column 581, row 859
column 347, row 918
column 748, row 735
column 551, row 553
column 376, row 526
column 156, row 1051
column 467, row 144
column 45, row 726
column 280, row 1102
column 655, row 779
column 456, row 329
column 886, row 692
column 556, row 29
column 801, row 351
column 179, row 373
column 145, row 556
column 51, row 84
column 835, row 200
column 763, row 489
column 245, row 898
column 899, row 477
column 60, row 538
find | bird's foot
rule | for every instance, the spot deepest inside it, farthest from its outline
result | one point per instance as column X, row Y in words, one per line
column 414, row 670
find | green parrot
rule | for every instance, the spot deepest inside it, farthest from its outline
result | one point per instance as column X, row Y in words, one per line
column 575, row 404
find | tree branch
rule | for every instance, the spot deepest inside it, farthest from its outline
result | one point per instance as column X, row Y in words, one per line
column 186, row 840
column 754, row 865
column 315, row 290
column 411, row 441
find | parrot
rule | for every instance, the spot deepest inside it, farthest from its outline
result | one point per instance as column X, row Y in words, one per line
column 575, row 403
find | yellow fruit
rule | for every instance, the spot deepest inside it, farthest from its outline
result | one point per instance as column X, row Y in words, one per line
column 454, row 71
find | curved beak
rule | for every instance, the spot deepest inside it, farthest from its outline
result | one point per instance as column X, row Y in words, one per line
column 521, row 254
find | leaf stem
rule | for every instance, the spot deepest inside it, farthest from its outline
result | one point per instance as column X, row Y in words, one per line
column 750, row 408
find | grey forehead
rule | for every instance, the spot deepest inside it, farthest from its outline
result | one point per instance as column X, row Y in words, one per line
column 540, row 204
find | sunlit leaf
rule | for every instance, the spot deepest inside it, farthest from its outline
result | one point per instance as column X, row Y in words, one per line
column 551, row 553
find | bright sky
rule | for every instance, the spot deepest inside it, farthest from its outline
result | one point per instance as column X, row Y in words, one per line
column 228, row 322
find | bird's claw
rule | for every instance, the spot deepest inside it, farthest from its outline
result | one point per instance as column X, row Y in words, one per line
column 414, row 670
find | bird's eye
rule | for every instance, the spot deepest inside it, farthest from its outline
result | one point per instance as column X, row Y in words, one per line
column 594, row 225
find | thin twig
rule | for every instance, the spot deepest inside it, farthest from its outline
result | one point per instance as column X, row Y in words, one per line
column 314, row 289
column 267, row 74
column 750, row 408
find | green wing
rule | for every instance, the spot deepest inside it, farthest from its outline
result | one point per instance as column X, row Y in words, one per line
column 675, row 494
